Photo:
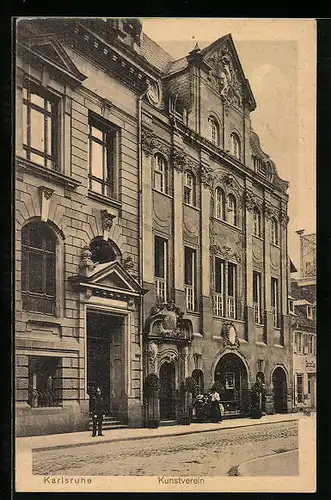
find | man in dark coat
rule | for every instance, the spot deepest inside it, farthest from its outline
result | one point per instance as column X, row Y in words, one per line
column 97, row 410
column 257, row 399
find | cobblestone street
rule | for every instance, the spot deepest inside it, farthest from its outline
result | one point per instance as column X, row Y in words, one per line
column 214, row 453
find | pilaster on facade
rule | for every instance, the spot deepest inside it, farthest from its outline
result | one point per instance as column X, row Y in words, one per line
column 147, row 216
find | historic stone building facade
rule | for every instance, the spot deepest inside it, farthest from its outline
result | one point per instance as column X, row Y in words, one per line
column 151, row 228
column 303, row 320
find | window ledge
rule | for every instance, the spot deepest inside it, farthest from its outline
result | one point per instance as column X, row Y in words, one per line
column 192, row 206
column 276, row 245
column 104, row 199
column 164, row 194
column 263, row 344
column 259, row 324
column 227, row 223
column 46, row 173
column 258, row 237
column 278, row 345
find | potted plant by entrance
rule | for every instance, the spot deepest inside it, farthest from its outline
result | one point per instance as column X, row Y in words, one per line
column 151, row 389
column 188, row 390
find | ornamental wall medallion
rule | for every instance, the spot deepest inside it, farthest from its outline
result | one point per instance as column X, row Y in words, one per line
column 230, row 335
column 154, row 93
column 257, row 251
column 166, row 323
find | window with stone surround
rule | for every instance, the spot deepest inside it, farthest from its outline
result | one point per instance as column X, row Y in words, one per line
column 160, row 178
column 214, row 132
column 44, row 381
column 232, row 215
column 274, row 231
column 275, row 302
column 103, row 157
column 189, row 189
column 219, row 211
column 257, row 297
column 257, row 225
column 235, row 145
column 190, row 278
column 161, row 267
column 38, row 276
column 225, row 289
column 41, row 126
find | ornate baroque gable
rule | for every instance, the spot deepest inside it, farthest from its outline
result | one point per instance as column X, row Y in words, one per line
column 264, row 165
column 227, row 75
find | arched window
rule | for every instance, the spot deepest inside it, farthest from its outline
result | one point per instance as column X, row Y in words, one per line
column 189, row 189
column 219, row 204
column 235, row 145
column 274, row 231
column 160, row 174
column 104, row 251
column 232, row 210
column 213, row 131
column 38, row 268
column 256, row 222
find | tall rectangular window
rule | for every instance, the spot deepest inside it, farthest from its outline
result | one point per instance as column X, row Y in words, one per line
column 257, row 297
column 190, row 278
column 103, row 157
column 161, row 267
column 298, row 339
column 219, row 285
column 40, row 127
column 275, row 301
column 232, row 290
column 299, row 387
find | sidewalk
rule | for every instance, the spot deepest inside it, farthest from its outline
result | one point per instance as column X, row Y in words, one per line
column 275, row 464
column 70, row 440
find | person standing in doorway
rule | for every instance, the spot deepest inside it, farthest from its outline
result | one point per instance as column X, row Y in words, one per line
column 215, row 405
column 97, row 410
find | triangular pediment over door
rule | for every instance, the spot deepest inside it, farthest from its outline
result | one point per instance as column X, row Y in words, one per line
column 110, row 278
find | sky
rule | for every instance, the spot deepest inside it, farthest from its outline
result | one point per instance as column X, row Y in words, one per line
column 278, row 57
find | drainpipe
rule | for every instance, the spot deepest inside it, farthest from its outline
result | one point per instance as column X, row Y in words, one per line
column 140, row 230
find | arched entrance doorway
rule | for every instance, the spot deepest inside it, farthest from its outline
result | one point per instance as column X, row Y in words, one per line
column 167, row 391
column 280, row 390
column 232, row 379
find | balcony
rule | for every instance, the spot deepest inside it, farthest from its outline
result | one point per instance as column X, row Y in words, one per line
column 218, row 304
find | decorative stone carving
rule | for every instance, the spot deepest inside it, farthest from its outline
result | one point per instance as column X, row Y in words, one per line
column 154, row 93
column 150, row 143
column 179, row 159
column 107, row 222
column 249, row 200
column 230, row 335
column 225, row 246
column 166, row 322
column 224, row 76
column 86, row 264
column 284, row 219
column 270, row 211
column 206, row 176
column 152, row 355
column 45, row 194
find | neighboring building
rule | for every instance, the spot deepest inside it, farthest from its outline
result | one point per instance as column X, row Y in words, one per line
column 303, row 310
column 151, row 228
